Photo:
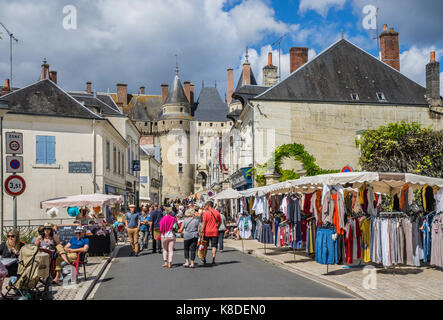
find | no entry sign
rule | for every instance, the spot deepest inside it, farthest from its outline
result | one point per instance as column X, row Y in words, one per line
column 15, row 185
column 14, row 142
column 14, row 164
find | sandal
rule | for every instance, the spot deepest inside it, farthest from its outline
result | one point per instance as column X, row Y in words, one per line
column 169, row 265
column 192, row 266
column 165, row 265
column 186, row 265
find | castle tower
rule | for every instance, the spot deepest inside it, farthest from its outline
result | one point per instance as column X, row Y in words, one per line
column 173, row 129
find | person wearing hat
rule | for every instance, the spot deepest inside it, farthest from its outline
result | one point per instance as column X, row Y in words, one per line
column 48, row 240
column 133, row 228
column 190, row 236
column 77, row 244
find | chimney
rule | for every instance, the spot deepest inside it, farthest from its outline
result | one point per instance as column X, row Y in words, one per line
column 389, row 47
column 191, row 95
column 246, row 74
column 270, row 73
column 298, row 57
column 45, row 68
column 142, row 90
column 164, row 93
column 230, row 84
column 187, row 88
column 6, row 89
column 53, row 76
column 122, row 94
column 433, row 81
column 89, row 87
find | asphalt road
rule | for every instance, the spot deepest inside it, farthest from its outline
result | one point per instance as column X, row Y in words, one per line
column 235, row 275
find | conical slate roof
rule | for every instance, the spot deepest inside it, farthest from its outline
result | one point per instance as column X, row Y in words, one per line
column 176, row 95
column 241, row 81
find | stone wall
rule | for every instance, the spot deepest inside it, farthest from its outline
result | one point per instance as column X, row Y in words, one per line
column 328, row 131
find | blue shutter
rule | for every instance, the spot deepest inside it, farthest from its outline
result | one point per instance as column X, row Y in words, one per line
column 50, row 150
column 40, row 145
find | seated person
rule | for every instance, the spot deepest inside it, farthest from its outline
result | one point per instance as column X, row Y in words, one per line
column 49, row 240
column 76, row 245
column 11, row 249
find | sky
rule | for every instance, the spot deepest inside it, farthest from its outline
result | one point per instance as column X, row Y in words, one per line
column 136, row 41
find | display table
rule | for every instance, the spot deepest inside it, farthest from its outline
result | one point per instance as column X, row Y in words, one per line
column 99, row 245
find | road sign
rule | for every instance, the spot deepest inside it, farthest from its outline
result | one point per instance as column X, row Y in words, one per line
column 14, row 164
column 347, row 169
column 14, row 143
column 15, row 185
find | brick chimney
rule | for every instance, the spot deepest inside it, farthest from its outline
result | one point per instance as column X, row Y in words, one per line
column 246, row 74
column 187, row 88
column 122, row 94
column 433, row 81
column 89, row 87
column 230, row 84
column 6, row 89
column 45, row 69
column 389, row 47
column 164, row 92
column 270, row 73
column 191, row 95
column 53, row 76
column 298, row 57
column 142, row 90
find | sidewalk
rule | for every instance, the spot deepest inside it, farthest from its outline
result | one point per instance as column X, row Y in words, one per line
column 93, row 267
column 404, row 283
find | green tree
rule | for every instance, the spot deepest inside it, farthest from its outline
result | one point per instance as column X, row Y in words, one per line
column 402, row 147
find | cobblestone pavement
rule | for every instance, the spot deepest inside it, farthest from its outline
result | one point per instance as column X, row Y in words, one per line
column 401, row 283
column 76, row 292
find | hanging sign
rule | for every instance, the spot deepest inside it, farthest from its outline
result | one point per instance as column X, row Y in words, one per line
column 15, row 185
column 14, row 164
column 14, row 142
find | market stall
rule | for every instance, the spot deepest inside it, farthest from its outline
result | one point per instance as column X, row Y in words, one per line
column 386, row 218
column 88, row 211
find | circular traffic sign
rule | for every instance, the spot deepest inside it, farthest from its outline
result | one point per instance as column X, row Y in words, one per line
column 14, row 164
column 14, row 145
column 15, row 185
column 347, row 169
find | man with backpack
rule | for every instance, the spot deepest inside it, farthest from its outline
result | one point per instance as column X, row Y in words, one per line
column 210, row 225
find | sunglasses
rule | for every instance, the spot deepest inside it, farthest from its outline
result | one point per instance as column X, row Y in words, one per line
column 11, row 236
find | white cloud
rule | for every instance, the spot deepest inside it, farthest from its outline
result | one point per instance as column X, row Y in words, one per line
column 135, row 41
column 320, row 6
column 413, row 63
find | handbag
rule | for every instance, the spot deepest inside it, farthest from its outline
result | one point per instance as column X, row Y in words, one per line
column 202, row 246
column 157, row 234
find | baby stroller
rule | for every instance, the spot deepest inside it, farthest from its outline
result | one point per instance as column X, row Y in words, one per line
column 33, row 280
column 121, row 231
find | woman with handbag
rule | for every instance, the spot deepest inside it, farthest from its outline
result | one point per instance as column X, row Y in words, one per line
column 190, row 236
column 168, row 228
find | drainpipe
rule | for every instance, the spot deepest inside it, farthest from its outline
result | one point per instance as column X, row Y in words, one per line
column 94, row 181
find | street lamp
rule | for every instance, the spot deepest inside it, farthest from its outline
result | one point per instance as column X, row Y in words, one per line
column 11, row 37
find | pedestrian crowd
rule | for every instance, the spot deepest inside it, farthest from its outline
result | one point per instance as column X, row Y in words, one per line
column 200, row 227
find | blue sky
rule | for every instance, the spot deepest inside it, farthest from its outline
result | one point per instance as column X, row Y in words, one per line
column 135, row 41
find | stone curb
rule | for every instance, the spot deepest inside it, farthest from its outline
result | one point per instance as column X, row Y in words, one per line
column 309, row 275
column 84, row 292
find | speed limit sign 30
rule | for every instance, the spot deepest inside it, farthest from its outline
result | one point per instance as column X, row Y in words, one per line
column 15, row 185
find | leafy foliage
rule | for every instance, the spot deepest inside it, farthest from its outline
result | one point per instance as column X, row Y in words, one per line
column 402, row 147
column 295, row 151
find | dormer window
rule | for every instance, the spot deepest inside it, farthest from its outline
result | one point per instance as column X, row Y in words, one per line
column 381, row 96
column 354, row 96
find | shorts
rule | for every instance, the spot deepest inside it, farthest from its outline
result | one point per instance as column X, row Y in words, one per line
column 213, row 241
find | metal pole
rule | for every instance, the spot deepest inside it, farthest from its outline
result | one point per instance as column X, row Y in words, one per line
column 279, row 66
column 1, row 166
column 14, row 212
column 10, row 58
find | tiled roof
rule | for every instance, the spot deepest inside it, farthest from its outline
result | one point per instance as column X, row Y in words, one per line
column 210, row 106
column 341, row 73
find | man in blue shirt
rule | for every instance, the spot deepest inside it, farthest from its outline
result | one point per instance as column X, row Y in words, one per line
column 145, row 222
column 133, row 227
column 156, row 216
column 77, row 244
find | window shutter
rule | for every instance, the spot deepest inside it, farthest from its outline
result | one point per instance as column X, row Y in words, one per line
column 40, row 145
column 50, row 150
